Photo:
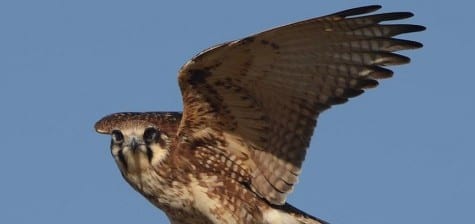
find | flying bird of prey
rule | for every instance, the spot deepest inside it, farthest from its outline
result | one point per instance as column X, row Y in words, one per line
column 250, row 108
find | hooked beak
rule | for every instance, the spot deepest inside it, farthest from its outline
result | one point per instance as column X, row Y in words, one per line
column 134, row 145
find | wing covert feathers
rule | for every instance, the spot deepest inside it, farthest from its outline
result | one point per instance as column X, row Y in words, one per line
column 265, row 92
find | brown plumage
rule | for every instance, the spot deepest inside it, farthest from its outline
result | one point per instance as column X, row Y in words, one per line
column 250, row 108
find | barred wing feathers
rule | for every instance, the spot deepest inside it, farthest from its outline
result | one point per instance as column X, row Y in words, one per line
column 262, row 94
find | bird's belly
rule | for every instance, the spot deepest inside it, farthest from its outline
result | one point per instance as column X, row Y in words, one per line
column 204, row 199
column 200, row 203
column 200, row 198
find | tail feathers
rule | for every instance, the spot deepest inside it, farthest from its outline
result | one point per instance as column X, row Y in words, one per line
column 300, row 216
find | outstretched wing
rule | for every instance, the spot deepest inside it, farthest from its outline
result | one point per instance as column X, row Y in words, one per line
column 260, row 96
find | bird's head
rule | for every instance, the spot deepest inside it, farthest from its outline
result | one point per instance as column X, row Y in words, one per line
column 139, row 140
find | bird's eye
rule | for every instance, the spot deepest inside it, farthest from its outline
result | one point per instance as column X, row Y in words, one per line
column 150, row 134
column 117, row 137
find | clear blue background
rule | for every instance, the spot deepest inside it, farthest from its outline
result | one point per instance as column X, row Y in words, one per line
column 402, row 153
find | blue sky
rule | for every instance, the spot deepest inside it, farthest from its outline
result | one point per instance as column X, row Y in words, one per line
column 401, row 153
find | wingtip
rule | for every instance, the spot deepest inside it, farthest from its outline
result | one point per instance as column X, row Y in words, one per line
column 417, row 45
column 358, row 11
column 417, row 28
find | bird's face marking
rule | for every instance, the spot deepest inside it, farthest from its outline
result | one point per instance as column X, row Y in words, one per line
column 138, row 148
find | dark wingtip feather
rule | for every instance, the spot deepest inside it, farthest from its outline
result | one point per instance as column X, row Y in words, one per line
column 415, row 28
column 405, row 28
column 357, row 11
column 390, row 16
column 353, row 92
column 415, row 44
column 337, row 100
column 397, row 29
column 388, row 59
column 380, row 73
column 401, row 44
column 367, row 84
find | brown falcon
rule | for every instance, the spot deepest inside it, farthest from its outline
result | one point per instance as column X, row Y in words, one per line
column 250, row 108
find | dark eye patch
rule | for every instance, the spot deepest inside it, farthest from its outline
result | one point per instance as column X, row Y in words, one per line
column 150, row 135
column 122, row 159
column 117, row 137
